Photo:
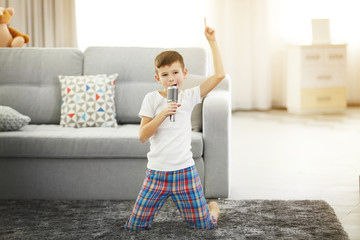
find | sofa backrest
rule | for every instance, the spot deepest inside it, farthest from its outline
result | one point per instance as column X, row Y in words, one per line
column 29, row 80
column 29, row 77
column 135, row 66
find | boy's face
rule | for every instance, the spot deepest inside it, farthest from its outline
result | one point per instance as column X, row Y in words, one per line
column 171, row 74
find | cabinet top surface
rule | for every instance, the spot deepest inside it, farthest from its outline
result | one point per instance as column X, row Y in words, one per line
column 318, row 45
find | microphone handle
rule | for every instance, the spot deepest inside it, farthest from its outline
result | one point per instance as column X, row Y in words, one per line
column 172, row 118
column 172, row 96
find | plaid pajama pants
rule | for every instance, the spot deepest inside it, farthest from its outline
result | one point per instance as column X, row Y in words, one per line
column 185, row 189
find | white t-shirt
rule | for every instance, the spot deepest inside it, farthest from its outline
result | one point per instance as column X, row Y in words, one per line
column 170, row 146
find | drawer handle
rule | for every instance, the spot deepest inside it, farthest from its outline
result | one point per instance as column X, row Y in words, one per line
column 312, row 57
column 324, row 77
column 336, row 56
column 324, row 99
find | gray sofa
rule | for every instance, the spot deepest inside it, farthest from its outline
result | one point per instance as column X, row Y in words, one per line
column 45, row 161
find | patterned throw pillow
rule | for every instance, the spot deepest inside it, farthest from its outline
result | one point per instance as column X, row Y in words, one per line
column 11, row 120
column 88, row 101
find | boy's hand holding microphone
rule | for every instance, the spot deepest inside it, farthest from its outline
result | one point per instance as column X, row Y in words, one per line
column 172, row 97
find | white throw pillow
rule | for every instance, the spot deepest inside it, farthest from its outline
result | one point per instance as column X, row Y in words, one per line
column 12, row 120
column 88, row 101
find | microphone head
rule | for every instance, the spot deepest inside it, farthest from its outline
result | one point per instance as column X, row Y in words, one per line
column 172, row 94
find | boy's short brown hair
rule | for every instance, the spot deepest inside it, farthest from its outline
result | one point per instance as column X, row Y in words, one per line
column 167, row 58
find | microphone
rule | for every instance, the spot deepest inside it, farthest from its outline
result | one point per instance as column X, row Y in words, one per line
column 172, row 96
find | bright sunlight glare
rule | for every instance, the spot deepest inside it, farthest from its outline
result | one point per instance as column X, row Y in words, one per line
column 296, row 19
column 156, row 23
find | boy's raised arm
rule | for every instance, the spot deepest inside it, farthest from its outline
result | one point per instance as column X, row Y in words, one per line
column 219, row 72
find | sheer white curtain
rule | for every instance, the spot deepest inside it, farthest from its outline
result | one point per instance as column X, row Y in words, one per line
column 49, row 23
column 247, row 35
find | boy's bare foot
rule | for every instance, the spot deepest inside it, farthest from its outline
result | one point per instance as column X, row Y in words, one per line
column 214, row 210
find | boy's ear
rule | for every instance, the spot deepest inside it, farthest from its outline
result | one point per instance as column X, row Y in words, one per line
column 157, row 78
column 185, row 72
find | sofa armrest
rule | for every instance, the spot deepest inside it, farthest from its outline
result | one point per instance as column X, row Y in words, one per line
column 216, row 134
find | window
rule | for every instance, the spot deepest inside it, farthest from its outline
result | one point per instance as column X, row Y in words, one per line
column 144, row 23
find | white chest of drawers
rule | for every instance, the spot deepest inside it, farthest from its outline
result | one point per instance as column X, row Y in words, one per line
column 316, row 78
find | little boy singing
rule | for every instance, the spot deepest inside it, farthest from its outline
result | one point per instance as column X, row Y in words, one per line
column 171, row 168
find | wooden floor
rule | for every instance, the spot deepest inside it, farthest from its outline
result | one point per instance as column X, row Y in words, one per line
column 277, row 155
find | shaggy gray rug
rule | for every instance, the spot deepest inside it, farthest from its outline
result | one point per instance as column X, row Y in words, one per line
column 239, row 219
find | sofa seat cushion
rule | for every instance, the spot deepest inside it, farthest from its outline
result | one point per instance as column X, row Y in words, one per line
column 44, row 141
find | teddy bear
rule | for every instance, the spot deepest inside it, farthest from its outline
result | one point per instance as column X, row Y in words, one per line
column 10, row 37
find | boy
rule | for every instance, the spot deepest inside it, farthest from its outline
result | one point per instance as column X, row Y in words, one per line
column 171, row 168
